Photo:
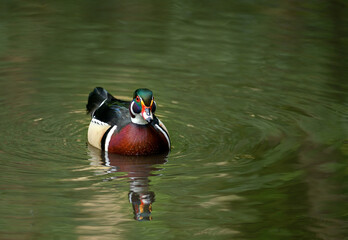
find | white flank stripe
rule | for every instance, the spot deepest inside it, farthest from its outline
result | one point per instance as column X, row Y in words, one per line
column 163, row 127
column 164, row 133
column 108, row 137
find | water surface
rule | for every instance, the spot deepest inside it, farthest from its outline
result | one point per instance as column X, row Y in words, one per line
column 254, row 96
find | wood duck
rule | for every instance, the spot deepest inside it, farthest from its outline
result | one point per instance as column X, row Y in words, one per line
column 126, row 127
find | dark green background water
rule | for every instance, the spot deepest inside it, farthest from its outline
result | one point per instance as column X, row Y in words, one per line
column 253, row 93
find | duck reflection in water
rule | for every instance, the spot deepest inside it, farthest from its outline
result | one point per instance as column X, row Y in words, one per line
column 137, row 169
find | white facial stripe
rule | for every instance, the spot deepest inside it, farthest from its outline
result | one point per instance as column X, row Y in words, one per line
column 164, row 133
column 140, row 117
column 131, row 108
column 108, row 138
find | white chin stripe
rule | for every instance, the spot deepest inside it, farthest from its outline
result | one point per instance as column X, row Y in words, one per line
column 164, row 133
column 108, row 138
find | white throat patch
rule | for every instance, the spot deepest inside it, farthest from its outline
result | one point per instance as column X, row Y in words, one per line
column 138, row 119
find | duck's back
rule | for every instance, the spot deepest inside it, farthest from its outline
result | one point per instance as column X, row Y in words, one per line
column 106, row 112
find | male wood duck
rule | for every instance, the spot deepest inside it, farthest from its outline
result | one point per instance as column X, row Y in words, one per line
column 126, row 127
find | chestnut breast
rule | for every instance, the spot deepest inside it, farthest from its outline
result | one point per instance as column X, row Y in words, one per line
column 134, row 139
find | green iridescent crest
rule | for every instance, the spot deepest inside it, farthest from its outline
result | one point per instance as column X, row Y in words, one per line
column 145, row 94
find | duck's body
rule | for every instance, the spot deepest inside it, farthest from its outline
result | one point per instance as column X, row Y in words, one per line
column 127, row 128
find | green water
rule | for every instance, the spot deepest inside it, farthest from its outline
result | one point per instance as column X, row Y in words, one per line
column 253, row 93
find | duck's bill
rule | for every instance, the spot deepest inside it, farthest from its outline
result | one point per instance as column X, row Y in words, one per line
column 147, row 114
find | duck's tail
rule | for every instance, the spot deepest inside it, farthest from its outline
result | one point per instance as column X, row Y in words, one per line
column 96, row 98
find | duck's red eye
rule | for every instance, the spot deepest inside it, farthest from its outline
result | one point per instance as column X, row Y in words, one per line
column 137, row 99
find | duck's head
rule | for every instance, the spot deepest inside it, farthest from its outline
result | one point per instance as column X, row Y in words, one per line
column 142, row 107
